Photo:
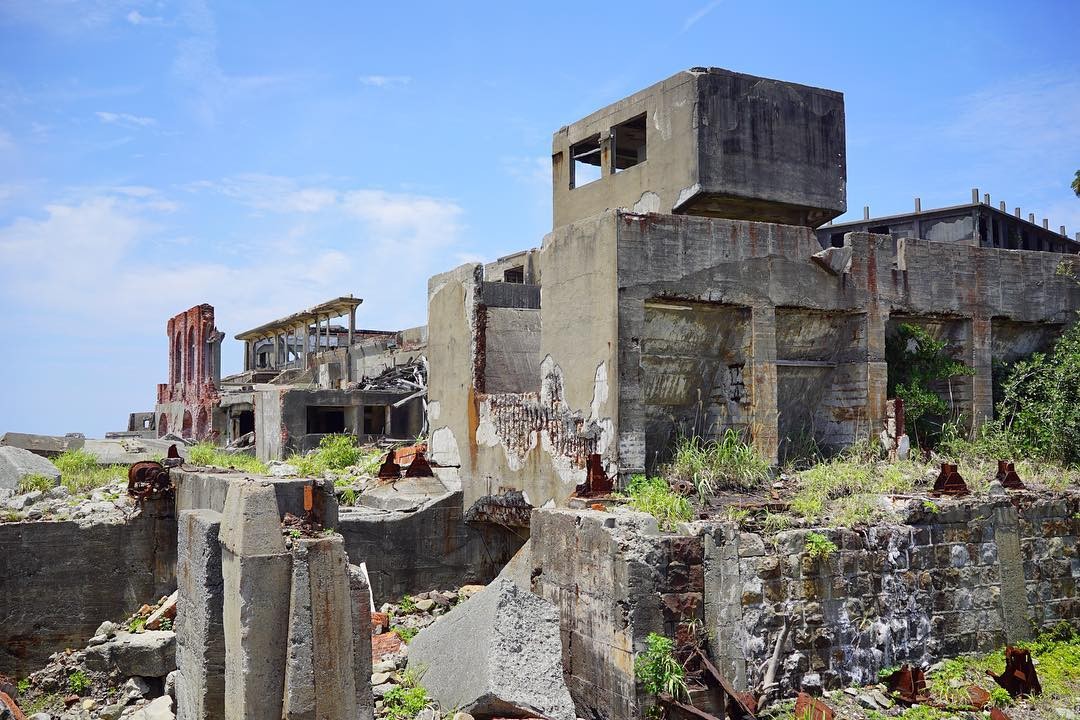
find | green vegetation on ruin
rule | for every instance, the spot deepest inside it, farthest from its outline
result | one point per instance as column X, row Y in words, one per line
column 208, row 454
column 81, row 473
column 730, row 463
column 406, row 700
column 335, row 454
column 31, row 483
column 658, row 670
column 653, row 495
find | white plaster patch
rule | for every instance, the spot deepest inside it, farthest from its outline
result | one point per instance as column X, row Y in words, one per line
column 600, row 390
column 434, row 409
column 686, row 194
column 444, row 447
column 649, row 202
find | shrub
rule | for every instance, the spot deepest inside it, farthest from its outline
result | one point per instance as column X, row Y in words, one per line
column 658, row 670
column 405, row 703
column 819, row 547
column 915, row 360
column 727, row 463
column 654, row 496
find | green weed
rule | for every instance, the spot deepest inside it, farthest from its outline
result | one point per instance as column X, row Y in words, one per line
column 654, row 496
column 404, row 702
column 78, row 682
column 406, row 633
column 80, row 472
column 40, row 483
column 336, row 453
column 819, row 547
column 658, row 670
column 407, row 605
column 209, row 454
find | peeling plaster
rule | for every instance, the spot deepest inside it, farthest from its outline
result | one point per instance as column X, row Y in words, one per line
column 444, row 448
column 649, row 202
column 434, row 409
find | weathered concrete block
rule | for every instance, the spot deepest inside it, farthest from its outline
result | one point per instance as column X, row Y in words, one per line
column 200, row 635
column 16, row 464
column 257, row 574
column 497, row 653
column 320, row 680
column 147, row 654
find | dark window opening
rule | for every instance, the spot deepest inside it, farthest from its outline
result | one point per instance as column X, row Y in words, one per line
column 878, row 230
column 628, row 143
column 322, row 420
column 514, row 275
column 996, row 230
column 245, row 422
column 585, row 162
column 982, row 232
column 837, row 239
column 1025, row 244
column 374, row 419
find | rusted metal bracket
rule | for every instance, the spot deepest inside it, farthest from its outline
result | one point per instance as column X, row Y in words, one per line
column 389, row 470
column 1008, row 477
column 908, row 684
column 1019, row 678
column 949, row 482
column 737, row 707
column 419, row 467
column 148, row 480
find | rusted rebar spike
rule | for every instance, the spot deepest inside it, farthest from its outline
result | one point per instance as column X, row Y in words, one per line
column 1019, row 678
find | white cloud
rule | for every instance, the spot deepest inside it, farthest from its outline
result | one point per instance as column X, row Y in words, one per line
column 700, row 13
column 273, row 193
column 137, row 18
column 385, row 80
column 126, row 119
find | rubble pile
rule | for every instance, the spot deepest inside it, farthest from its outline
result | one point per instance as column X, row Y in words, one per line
column 109, row 504
column 127, row 670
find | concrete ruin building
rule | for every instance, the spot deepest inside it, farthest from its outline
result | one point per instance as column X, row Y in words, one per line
column 303, row 378
column 684, row 290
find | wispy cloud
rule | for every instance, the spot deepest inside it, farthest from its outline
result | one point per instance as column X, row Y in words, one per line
column 385, row 80
column 6, row 141
column 137, row 18
column 126, row 119
column 699, row 14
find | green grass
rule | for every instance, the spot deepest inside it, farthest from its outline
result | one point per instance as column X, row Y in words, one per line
column 658, row 670
column 80, row 472
column 729, row 463
column 208, row 454
column 40, row 483
column 654, row 496
column 78, row 682
column 405, row 701
column 407, row 605
column 406, row 633
column 336, row 453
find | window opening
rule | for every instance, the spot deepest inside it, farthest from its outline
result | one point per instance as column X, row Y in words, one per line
column 374, row 419
column 323, row 420
column 514, row 274
column 628, row 141
column 585, row 162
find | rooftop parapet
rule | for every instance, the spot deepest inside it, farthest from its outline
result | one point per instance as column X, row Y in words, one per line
column 712, row 142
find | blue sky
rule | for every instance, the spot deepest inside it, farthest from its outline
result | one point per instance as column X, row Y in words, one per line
column 265, row 156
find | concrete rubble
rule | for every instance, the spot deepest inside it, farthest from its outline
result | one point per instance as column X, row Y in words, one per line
column 508, row 639
column 17, row 464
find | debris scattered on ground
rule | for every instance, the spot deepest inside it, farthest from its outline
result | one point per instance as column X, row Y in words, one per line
column 106, row 504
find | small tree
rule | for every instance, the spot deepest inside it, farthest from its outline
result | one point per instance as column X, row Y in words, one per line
column 1076, row 184
column 916, row 360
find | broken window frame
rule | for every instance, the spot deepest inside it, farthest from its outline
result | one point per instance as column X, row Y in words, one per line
column 515, row 274
column 586, row 148
column 635, row 133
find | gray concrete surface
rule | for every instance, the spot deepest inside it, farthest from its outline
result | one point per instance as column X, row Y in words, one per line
column 150, row 654
column 16, row 464
column 498, row 654
column 200, row 634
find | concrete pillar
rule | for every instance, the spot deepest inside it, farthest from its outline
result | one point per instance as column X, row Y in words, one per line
column 257, row 576
column 982, row 391
column 352, row 322
column 320, row 673
column 247, row 355
column 200, row 639
column 763, row 410
column 360, row 608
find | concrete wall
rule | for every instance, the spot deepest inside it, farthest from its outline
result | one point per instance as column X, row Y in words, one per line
column 62, row 579
column 512, row 360
column 968, row 579
column 413, row 552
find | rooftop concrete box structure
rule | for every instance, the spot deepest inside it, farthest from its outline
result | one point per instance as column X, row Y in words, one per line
column 707, row 141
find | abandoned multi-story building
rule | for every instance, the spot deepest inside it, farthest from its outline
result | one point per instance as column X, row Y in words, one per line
column 303, row 378
column 684, row 291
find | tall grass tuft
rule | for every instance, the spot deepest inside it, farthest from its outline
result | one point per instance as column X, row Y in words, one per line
column 80, row 472
column 653, row 495
column 729, row 463
column 209, row 454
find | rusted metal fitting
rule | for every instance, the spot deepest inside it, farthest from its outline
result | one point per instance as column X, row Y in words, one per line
column 949, row 482
column 597, row 482
column 908, row 684
column 682, row 487
column 419, row 467
column 389, row 470
column 1008, row 477
column 812, row 708
column 1019, row 678
column 148, row 480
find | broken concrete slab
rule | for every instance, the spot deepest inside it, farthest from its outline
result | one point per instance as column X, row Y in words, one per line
column 200, row 638
column 837, row 260
column 146, row 654
column 157, row 709
column 497, row 654
column 16, row 464
column 256, row 568
column 519, row 569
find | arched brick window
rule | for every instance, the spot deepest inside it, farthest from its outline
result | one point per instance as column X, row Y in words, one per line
column 186, row 431
column 163, row 425
column 178, row 358
column 190, row 351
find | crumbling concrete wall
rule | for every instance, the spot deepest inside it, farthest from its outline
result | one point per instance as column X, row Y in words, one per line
column 187, row 402
column 61, row 579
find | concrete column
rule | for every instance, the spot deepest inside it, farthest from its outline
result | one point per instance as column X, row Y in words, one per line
column 352, row 321
column 360, row 608
column 763, row 410
column 320, row 679
column 200, row 638
column 247, row 355
column 982, row 391
column 257, row 575
column 877, row 370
